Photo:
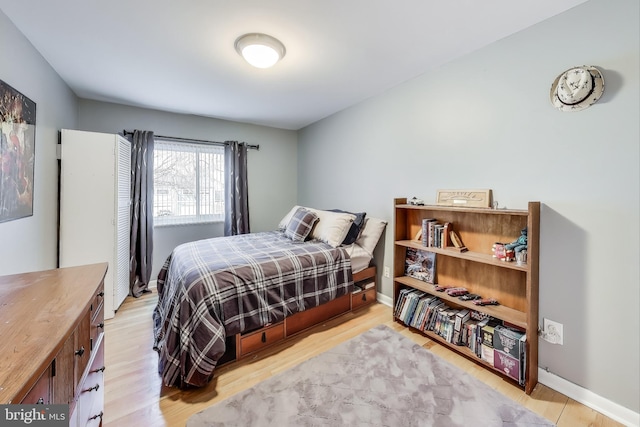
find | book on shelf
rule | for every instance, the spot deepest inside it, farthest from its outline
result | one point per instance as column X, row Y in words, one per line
column 508, row 340
column 411, row 310
column 431, row 314
column 431, row 233
column 461, row 317
column 486, row 354
column 437, row 235
column 469, row 334
column 425, row 230
column 421, row 310
column 509, row 365
column 445, row 235
column 401, row 300
column 430, row 303
column 512, row 343
column 487, row 335
column 478, row 336
column 420, row 265
column 406, row 304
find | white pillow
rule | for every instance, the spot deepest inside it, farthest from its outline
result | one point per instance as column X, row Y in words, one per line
column 285, row 221
column 332, row 227
column 371, row 232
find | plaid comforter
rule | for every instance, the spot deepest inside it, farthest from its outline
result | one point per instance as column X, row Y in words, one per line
column 214, row 288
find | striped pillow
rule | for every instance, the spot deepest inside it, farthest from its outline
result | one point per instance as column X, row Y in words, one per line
column 300, row 225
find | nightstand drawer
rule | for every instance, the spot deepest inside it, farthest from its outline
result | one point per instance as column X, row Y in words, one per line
column 261, row 338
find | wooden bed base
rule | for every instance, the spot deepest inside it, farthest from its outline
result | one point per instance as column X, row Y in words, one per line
column 364, row 293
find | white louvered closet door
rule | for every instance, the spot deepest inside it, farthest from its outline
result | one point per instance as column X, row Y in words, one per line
column 95, row 178
column 123, row 214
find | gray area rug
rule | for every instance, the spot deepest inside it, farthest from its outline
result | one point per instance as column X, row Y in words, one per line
column 378, row 378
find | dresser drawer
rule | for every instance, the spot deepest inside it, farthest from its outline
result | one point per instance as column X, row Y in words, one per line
column 364, row 297
column 40, row 393
column 83, row 346
column 261, row 338
column 90, row 404
column 97, row 326
column 97, row 302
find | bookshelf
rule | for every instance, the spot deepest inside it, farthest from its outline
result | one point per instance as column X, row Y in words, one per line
column 514, row 286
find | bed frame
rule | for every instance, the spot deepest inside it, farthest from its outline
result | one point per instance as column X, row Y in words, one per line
column 242, row 345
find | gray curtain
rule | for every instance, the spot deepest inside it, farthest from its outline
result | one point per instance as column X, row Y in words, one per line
column 141, row 245
column 236, row 194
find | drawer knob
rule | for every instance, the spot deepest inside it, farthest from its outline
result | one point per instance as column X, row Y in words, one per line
column 98, row 370
column 80, row 352
column 40, row 401
column 101, row 325
column 95, row 387
column 95, row 417
column 264, row 337
column 101, row 294
column 364, row 297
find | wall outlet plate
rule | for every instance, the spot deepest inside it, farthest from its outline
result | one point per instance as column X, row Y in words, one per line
column 552, row 332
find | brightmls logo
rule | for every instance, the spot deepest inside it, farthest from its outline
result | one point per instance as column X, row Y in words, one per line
column 34, row 415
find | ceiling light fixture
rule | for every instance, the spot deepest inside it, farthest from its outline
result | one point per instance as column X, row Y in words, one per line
column 260, row 50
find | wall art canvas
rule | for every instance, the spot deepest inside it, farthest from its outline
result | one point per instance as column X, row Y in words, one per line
column 17, row 153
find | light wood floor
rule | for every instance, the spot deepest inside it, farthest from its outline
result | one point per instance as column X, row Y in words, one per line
column 134, row 395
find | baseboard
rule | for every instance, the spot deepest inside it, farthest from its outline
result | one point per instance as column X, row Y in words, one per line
column 588, row 398
column 383, row 299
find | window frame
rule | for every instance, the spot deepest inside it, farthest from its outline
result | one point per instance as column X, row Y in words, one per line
column 216, row 186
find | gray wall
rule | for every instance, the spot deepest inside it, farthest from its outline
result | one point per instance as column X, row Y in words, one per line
column 485, row 121
column 30, row 244
column 272, row 169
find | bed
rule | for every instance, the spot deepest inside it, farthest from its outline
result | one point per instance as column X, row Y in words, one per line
column 212, row 290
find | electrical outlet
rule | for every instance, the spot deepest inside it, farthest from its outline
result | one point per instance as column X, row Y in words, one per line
column 552, row 332
column 387, row 272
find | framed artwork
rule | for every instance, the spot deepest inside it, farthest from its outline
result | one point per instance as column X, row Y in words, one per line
column 466, row 198
column 17, row 153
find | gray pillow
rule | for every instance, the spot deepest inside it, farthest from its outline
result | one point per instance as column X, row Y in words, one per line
column 300, row 225
column 356, row 227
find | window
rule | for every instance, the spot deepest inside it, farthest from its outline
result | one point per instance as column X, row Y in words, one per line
column 188, row 183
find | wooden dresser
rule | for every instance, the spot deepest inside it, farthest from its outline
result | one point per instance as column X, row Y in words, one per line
column 52, row 340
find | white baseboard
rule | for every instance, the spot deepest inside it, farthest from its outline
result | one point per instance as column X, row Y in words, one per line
column 383, row 299
column 588, row 398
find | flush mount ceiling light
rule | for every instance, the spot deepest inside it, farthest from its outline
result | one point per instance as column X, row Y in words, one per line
column 260, row 50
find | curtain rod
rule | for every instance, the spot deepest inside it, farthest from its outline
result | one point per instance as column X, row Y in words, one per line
column 200, row 141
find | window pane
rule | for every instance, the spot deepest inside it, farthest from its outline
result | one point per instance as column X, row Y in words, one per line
column 188, row 183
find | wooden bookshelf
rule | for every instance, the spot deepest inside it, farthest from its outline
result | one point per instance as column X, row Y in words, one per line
column 514, row 286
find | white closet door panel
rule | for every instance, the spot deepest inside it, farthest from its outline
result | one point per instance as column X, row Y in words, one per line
column 94, row 207
column 121, row 289
column 124, row 169
column 122, row 281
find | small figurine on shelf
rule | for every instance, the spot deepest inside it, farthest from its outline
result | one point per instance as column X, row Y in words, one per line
column 501, row 252
column 416, row 202
column 520, row 244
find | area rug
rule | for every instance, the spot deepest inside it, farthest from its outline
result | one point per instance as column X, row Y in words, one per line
column 378, row 378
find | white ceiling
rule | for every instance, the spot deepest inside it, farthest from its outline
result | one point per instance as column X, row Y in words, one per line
column 179, row 56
